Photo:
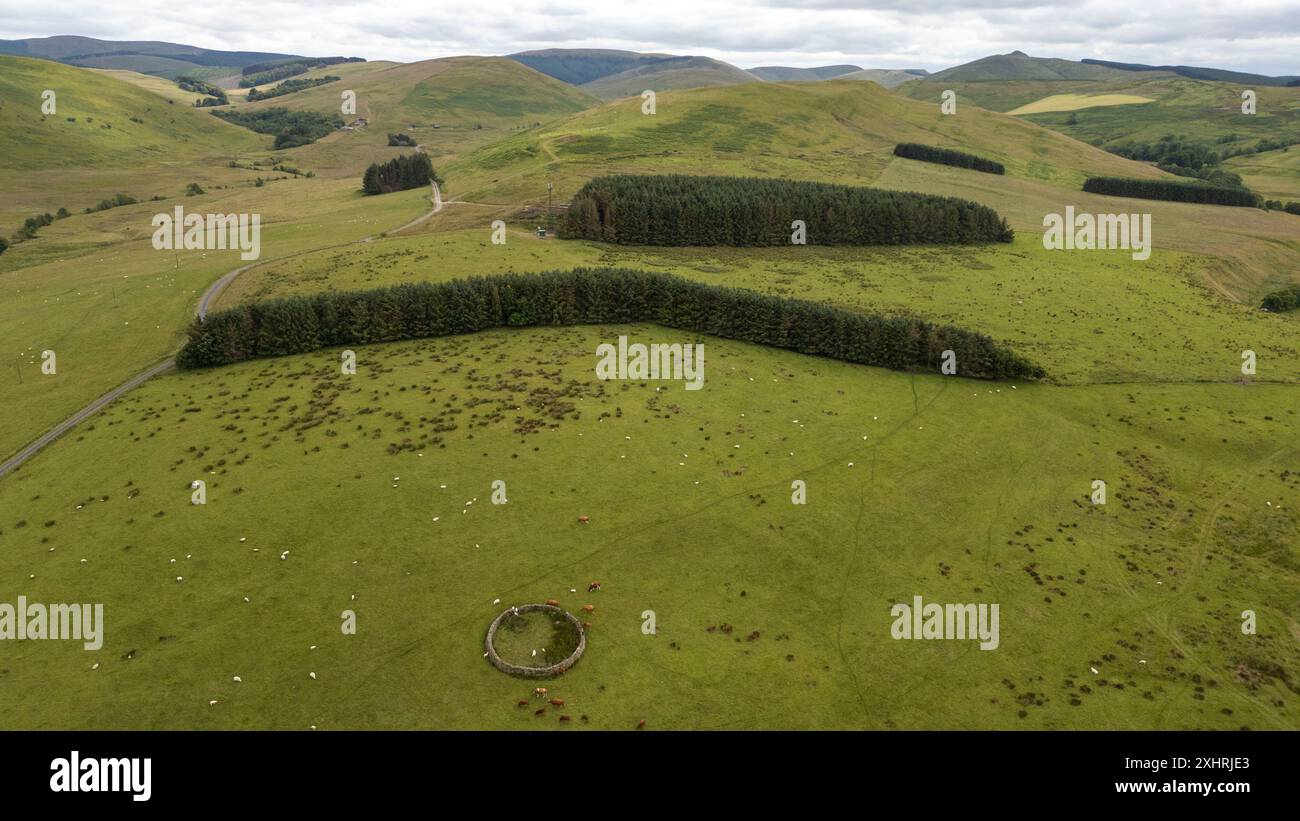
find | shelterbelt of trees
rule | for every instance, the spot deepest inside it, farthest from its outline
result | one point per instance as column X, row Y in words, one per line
column 749, row 212
column 1172, row 190
column 399, row 174
column 586, row 296
column 947, row 156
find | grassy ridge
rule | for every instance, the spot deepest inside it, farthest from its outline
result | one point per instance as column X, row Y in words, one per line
column 688, row 493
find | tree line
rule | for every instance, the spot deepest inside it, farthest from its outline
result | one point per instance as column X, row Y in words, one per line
column 262, row 73
column 583, row 296
column 947, row 156
column 288, row 87
column 1172, row 190
column 752, row 212
column 1292, row 207
column 214, row 95
column 1281, row 301
column 291, row 128
column 399, row 174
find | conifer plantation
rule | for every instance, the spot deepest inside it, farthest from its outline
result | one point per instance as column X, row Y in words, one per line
column 947, row 156
column 399, row 174
column 753, row 212
column 583, row 297
column 1172, row 191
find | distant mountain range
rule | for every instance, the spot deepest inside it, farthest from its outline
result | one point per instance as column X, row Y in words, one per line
column 1020, row 66
column 609, row 73
column 1198, row 73
column 612, row 73
column 146, row 57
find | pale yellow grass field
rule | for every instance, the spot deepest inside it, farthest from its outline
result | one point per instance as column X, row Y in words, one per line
column 1074, row 102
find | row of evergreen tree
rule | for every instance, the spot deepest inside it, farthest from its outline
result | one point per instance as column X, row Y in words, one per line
column 1172, row 190
column 399, row 174
column 288, row 87
column 947, row 156
column 590, row 296
column 1292, row 207
column 751, row 212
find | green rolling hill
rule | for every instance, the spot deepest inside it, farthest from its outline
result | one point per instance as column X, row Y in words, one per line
column 147, row 57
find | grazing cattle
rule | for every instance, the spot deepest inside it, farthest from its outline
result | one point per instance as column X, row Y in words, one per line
column 588, row 608
column 553, row 602
column 584, row 519
column 593, row 586
column 557, row 702
column 565, row 718
column 540, row 712
column 539, row 692
column 586, row 625
column 523, row 702
column 641, row 724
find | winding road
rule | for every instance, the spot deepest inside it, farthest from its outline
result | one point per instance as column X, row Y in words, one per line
column 205, row 303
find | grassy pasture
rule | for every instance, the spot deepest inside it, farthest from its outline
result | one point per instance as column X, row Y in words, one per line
column 1076, row 102
column 953, row 490
column 840, row 130
column 937, row 486
column 1084, row 316
column 94, row 290
column 1274, row 174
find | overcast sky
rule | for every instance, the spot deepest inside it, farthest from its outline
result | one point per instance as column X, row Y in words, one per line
column 1251, row 35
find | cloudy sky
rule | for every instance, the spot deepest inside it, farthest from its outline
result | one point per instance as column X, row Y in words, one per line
column 1251, row 35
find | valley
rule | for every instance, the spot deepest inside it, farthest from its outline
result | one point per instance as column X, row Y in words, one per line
column 371, row 492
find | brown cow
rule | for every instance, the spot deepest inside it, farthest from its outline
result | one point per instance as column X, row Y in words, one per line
column 553, row 602
column 588, row 608
column 557, row 702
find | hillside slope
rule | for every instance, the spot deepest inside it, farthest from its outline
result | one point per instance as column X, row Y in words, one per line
column 675, row 73
column 838, row 130
column 106, row 136
column 145, row 56
column 1020, row 66
column 787, row 74
column 447, row 105
column 887, row 77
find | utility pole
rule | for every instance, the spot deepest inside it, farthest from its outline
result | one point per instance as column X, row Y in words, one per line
column 550, row 215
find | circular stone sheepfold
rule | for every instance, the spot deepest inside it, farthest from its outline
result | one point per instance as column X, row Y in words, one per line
column 535, row 641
